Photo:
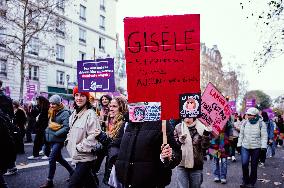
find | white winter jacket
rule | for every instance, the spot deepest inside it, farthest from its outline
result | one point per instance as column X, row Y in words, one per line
column 81, row 136
column 253, row 136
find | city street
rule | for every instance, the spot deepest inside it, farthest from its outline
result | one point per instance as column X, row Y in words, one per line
column 32, row 173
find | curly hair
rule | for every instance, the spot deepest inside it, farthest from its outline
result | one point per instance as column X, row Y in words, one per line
column 119, row 118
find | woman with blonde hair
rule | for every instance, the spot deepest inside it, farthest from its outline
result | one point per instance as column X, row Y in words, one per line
column 118, row 110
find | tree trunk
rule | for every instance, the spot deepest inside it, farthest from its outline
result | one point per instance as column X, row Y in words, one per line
column 23, row 49
column 22, row 71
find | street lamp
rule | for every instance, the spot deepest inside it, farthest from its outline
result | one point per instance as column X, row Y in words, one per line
column 67, row 78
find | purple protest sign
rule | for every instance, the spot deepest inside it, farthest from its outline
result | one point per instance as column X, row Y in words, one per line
column 96, row 75
column 233, row 106
column 65, row 102
column 250, row 103
column 269, row 112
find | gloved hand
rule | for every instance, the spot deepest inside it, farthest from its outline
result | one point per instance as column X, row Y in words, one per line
column 239, row 149
column 206, row 133
column 182, row 138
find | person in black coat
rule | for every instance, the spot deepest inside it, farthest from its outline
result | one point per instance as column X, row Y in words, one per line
column 7, row 145
column 20, row 120
column 141, row 158
column 40, row 126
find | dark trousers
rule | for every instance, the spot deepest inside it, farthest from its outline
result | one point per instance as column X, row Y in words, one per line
column 3, row 183
column 20, row 139
column 234, row 143
column 246, row 155
column 38, row 143
column 83, row 176
column 54, row 156
column 262, row 156
column 29, row 130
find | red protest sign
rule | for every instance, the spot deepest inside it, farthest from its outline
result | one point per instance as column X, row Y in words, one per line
column 215, row 110
column 163, row 59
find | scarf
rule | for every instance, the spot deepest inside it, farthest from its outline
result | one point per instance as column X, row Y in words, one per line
column 187, row 148
column 53, row 111
column 254, row 120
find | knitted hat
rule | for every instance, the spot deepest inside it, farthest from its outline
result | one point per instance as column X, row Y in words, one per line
column 252, row 111
column 75, row 90
column 56, row 99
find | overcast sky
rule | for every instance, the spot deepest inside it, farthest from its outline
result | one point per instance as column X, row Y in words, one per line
column 223, row 23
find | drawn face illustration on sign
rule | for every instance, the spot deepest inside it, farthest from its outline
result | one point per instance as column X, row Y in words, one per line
column 189, row 105
column 139, row 113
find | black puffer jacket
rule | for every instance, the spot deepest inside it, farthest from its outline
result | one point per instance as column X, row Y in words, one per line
column 138, row 163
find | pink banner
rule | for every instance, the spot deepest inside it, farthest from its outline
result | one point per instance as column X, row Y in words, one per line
column 215, row 110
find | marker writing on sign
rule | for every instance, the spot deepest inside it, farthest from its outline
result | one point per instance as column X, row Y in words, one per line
column 134, row 43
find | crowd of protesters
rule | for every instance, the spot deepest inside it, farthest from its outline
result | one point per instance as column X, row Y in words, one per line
column 99, row 129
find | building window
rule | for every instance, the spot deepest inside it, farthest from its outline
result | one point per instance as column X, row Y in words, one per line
column 3, row 67
column 102, row 44
column 33, row 47
column 60, row 27
column 60, row 5
column 82, row 55
column 2, row 37
column 34, row 73
column 60, row 78
column 102, row 22
column 60, row 52
column 82, row 35
column 102, row 5
column 82, row 12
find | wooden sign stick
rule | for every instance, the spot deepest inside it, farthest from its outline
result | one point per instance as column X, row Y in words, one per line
column 164, row 130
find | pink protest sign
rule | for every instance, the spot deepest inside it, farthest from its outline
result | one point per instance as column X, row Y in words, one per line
column 215, row 110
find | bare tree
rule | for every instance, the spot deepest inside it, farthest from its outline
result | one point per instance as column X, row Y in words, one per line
column 268, row 16
column 28, row 22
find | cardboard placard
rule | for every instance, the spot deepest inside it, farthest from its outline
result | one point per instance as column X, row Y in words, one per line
column 140, row 112
column 190, row 105
column 215, row 110
column 96, row 75
column 162, row 59
column 233, row 106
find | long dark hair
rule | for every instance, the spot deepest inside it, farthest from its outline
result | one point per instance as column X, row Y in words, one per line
column 106, row 96
column 43, row 103
column 265, row 116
